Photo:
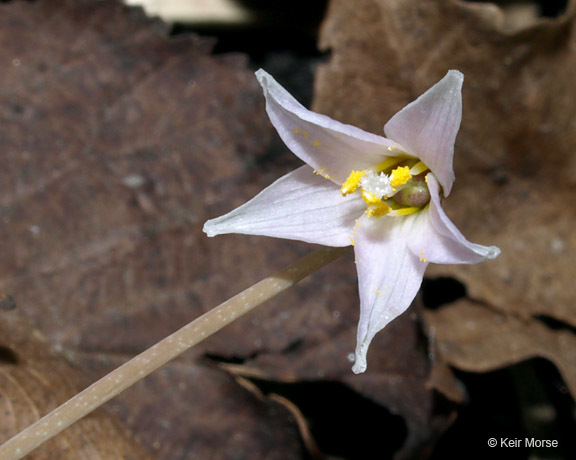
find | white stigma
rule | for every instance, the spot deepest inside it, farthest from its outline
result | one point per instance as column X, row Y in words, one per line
column 377, row 184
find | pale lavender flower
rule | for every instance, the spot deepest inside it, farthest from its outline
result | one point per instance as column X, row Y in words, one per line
column 381, row 195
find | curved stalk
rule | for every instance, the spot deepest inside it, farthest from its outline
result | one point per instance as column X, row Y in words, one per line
column 164, row 351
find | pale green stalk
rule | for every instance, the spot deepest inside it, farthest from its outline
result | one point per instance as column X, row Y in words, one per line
column 164, row 351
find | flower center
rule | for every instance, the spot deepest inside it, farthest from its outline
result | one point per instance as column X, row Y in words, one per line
column 395, row 187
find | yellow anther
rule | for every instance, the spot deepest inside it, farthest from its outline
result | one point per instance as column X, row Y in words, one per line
column 351, row 184
column 352, row 242
column 400, row 176
column 379, row 209
column 422, row 258
column 370, row 198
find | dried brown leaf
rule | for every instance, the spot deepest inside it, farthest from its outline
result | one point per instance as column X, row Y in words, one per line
column 117, row 144
column 474, row 338
column 190, row 410
column 401, row 377
column 34, row 381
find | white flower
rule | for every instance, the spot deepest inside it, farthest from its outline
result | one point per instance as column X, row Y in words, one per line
column 381, row 195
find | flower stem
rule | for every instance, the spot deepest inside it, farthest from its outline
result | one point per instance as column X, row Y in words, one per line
column 164, row 351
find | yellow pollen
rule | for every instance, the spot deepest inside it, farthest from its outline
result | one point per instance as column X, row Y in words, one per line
column 378, row 209
column 400, row 176
column 422, row 258
column 351, row 184
column 352, row 242
column 322, row 173
column 304, row 133
column 370, row 198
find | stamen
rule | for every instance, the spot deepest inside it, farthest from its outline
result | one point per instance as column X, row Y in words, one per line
column 371, row 198
column 387, row 163
column 381, row 185
column 400, row 176
column 404, row 211
column 378, row 209
column 418, row 168
column 351, row 184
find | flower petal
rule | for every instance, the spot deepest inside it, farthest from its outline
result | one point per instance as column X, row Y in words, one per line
column 440, row 242
column 389, row 275
column 325, row 144
column 298, row 206
column 427, row 127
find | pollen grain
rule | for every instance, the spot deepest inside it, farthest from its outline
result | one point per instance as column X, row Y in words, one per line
column 379, row 209
column 400, row 176
column 352, row 183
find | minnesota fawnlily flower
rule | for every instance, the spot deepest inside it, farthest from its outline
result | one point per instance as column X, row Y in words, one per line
column 381, row 195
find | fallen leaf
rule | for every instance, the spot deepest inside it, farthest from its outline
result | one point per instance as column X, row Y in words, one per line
column 34, row 381
column 194, row 410
column 118, row 143
column 474, row 338
column 401, row 378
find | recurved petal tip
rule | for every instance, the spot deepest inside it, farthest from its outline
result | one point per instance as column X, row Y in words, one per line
column 261, row 75
column 360, row 363
column 209, row 228
column 453, row 73
column 493, row 252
